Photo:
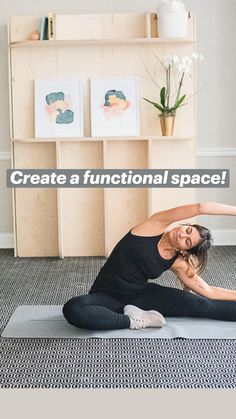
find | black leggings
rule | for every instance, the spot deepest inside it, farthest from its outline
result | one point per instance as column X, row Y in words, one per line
column 103, row 311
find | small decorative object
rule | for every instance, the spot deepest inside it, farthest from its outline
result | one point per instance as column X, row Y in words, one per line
column 172, row 19
column 170, row 94
column 34, row 36
column 58, row 109
column 114, row 106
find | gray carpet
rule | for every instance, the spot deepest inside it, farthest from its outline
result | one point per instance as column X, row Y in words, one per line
column 105, row 363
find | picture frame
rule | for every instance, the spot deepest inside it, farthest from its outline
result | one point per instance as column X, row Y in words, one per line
column 114, row 106
column 58, row 108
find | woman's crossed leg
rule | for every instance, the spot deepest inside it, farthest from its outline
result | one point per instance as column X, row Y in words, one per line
column 102, row 311
column 96, row 311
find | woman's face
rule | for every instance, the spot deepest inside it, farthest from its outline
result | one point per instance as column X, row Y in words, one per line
column 185, row 237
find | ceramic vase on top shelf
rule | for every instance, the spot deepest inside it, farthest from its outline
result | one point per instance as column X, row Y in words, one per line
column 172, row 19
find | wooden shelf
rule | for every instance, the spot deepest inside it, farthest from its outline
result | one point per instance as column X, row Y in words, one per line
column 89, row 139
column 56, row 222
column 55, row 43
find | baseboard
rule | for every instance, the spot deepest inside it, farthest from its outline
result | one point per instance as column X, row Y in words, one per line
column 216, row 152
column 6, row 240
column 224, row 237
column 5, row 155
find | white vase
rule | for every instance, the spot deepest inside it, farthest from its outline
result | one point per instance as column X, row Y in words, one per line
column 172, row 24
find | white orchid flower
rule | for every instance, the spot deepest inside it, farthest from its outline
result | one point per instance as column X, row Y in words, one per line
column 176, row 59
column 170, row 6
column 200, row 57
column 170, row 101
column 170, row 60
column 195, row 56
column 167, row 60
column 186, row 60
column 183, row 68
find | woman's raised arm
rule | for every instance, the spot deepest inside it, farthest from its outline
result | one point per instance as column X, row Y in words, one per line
column 188, row 211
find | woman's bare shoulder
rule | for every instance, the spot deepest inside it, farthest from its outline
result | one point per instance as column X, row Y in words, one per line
column 149, row 228
column 182, row 266
column 161, row 220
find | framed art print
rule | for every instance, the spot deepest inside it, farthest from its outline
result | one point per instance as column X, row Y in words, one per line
column 58, row 108
column 114, row 106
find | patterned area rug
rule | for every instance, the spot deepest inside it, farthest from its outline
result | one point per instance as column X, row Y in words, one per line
column 105, row 363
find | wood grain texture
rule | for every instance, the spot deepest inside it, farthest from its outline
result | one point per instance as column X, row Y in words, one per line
column 85, row 222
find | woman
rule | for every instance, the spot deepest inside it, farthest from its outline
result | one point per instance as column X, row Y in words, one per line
column 121, row 296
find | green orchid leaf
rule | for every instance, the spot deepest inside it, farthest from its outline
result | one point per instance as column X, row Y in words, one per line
column 163, row 96
column 179, row 102
column 160, row 108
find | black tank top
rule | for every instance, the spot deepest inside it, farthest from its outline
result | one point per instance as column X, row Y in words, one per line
column 133, row 261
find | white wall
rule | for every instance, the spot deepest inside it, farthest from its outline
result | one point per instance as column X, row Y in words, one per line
column 216, row 35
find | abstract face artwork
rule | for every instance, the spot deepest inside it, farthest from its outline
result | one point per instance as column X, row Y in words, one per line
column 58, row 108
column 115, row 103
column 114, row 107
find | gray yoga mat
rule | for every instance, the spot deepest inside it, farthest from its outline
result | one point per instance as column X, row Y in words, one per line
column 47, row 321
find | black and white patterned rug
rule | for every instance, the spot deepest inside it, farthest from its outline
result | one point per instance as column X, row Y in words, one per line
column 105, row 363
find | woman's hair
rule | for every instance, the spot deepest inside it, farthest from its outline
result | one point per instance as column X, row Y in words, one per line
column 197, row 255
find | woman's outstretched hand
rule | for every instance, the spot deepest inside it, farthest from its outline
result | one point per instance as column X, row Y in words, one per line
column 215, row 208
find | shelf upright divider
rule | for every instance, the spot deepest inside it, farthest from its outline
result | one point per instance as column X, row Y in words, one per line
column 59, row 210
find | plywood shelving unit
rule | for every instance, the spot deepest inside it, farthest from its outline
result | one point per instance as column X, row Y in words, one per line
column 88, row 222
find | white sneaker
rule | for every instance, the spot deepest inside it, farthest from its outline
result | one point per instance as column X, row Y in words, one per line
column 140, row 319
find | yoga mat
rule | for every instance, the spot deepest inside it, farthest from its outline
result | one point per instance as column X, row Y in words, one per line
column 47, row 321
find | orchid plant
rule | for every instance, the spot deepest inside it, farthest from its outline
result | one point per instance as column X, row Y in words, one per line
column 169, row 104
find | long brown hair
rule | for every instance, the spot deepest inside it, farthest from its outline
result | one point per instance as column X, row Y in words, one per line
column 197, row 256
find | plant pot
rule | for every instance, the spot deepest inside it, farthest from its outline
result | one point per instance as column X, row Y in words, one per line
column 167, row 124
column 173, row 24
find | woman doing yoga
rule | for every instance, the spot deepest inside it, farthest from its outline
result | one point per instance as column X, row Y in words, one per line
column 121, row 296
